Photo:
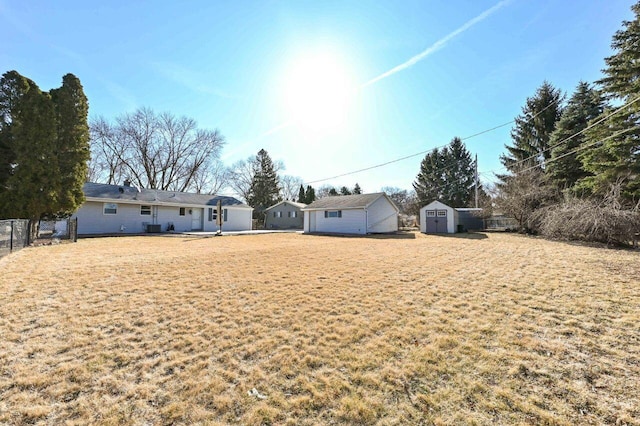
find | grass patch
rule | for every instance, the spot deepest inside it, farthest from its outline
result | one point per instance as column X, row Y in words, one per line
column 424, row 330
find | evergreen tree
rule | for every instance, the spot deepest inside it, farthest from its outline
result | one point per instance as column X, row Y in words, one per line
column 310, row 195
column 345, row 191
column 72, row 145
column 357, row 189
column 333, row 192
column 565, row 168
column 446, row 175
column 459, row 174
column 264, row 190
column 302, row 196
column 532, row 130
column 13, row 87
column 616, row 159
column 34, row 185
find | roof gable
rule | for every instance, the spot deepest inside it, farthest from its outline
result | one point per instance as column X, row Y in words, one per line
column 153, row 196
column 356, row 201
column 291, row 203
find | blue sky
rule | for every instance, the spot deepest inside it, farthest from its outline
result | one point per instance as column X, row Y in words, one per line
column 240, row 67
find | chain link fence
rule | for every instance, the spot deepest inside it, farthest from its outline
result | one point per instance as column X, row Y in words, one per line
column 14, row 235
column 61, row 229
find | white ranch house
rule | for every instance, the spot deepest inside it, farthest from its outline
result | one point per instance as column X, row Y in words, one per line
column 352, row 214
column 125, row 209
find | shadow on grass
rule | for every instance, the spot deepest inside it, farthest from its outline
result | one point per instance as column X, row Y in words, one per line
column 464, row 235
column 400, row 235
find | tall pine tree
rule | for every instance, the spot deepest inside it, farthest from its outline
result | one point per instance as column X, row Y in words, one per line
column 44, row 147
column 532, row 130
column 616, row 159
column 72, row 144
column 264, row 190
column 34, row 185
column 565, row 168
column 446, row 175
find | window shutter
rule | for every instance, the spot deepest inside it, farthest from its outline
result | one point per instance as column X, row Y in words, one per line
column 225, row 214
column 210, row 214
column 339, row 213
column 326, row 213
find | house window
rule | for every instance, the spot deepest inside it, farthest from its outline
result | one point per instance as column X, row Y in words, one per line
column 333, row 213
column 442, row 213
column 213, row 214
column 431, row 213
column 293, row 214
column 145, row 210
column 182, row 211
column 110, row 208
column 277, row 214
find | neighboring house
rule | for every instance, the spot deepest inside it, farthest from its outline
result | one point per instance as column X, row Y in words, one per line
column 125, row 209
column 352, row 214
column 439, row 218
column 284, row 215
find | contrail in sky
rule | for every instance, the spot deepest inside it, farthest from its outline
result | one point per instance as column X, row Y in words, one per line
column 438, row 44
column 417, row 58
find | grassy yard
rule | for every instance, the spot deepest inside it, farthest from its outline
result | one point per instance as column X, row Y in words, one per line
column 483, row 329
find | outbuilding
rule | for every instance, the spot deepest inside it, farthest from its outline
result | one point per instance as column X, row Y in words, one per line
column 352, row 214
column 284, row 215
column 439, row 218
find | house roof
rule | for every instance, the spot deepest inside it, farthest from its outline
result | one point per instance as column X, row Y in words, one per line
column 153, row 196
column 298, row 205
column 357, row 201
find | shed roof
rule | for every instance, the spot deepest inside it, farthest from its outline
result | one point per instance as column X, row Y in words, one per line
column 356, row 201
column 153, row 196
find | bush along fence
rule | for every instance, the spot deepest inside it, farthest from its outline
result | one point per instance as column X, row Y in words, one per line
column 14, row 235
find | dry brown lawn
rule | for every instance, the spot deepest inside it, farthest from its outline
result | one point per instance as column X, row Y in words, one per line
column 416, row 329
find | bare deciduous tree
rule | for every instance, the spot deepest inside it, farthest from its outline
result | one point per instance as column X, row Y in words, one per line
column 211, row 179
column 156, row 151
column 240, row 176
column 523, row 193
column 290, row 187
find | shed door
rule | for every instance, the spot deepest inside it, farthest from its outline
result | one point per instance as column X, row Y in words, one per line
column 436, row 221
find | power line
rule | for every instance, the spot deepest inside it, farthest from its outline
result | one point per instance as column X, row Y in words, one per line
column 580, row 148
column 428, row 150
column 615, row 111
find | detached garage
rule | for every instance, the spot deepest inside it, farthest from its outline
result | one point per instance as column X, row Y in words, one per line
column 352, row 214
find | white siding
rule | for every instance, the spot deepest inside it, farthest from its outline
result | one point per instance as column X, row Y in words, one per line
column 238, row 219
column 383, row 217
column 452, row 216
column 128, row 219
column 352, row 222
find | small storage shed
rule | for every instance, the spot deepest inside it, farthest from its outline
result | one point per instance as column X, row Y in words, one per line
column 284, row 215
column 352, row 214
column 438, row 218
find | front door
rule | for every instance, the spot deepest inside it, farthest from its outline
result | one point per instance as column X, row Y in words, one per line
column 196, row 219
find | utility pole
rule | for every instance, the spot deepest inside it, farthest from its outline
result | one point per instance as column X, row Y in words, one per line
column 476, row 181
